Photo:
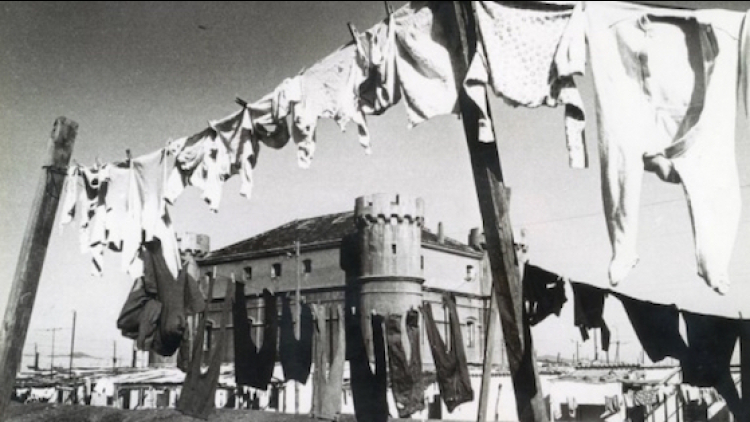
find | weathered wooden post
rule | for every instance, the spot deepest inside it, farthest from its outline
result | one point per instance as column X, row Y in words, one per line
column 33, row 251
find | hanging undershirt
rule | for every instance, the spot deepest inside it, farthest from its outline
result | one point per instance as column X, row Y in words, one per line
column 589, row 309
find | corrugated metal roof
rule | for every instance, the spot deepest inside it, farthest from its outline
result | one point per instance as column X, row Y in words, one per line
column 315, row 230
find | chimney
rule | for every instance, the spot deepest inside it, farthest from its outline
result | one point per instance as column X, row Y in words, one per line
column 440, row 234
column 476, row 239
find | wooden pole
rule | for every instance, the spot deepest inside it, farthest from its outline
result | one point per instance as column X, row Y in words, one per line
column 489, row 350
column 72, row 346
column 495, row 208
column 745, row 368
column 31, row 258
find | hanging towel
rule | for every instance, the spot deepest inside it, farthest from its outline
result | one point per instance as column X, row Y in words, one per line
column 543, row 292
column 199, row 389
column 657, row 327
column 253, row 365
column 528, row 53
column 450, row 363
column 295, row 354
column 406, row 374
column 675, row 72
column 588, row 311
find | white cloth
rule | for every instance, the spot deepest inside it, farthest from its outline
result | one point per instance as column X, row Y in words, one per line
column 666, row 84
column 207, row 159
column 148, row 210
column 529, row 54
column 429, row 60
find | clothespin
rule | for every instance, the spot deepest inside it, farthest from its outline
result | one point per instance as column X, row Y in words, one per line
column 98, row 161
column 241, row 102
column 388, row 8
column 234, row 281
column 353, row 31
column 128, row 157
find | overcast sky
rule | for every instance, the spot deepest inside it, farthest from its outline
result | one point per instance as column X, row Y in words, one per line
column 134, row 75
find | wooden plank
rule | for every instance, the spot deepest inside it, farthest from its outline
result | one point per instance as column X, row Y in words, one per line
column 31, row 258
column 494, row 205
column 489, row 349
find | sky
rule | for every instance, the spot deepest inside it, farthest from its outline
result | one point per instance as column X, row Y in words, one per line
column 134, row 75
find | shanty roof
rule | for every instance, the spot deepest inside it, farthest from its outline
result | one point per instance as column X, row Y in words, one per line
column 319, row 230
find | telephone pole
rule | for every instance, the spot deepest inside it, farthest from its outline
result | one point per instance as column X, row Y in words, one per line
column 72, row 345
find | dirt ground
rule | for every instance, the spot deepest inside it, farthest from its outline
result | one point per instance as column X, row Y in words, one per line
column 36, row 412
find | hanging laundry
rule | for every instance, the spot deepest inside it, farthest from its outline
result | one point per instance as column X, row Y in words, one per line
column 148, row 211
column 450, row 363
column 369, row 390
column 528, row 53
column 646, row 397
column 195, row 302
column 543, row 293
column 657, row 327
column 199, row 388
column 429, row 59
column 70, row 195
column 253, row 365
column 207, row 159
column 295, row 354
column 675, row 72
column 324, row 91
column 406, row 374
column 373, row 77
column 588, row 311
column 711, row 342
column 612, row 405
column 328, row 374
column 160, row 295
column 269, row 117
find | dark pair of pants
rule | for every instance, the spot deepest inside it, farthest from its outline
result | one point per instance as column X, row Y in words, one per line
column 406, row 375
column 199, row 389
column 254, row 366
column 451, row 365
column 368, row 389
column 328, row 378
column 295, row 354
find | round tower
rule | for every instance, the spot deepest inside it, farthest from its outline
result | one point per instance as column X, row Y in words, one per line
column 389, row 235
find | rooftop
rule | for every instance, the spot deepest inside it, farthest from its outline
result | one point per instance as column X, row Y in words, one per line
column 325, row 229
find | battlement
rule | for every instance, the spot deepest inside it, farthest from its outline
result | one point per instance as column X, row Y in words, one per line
column 383, row 207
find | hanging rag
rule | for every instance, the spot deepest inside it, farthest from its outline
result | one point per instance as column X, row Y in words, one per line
column 588, row 311
column 406, row 373
column 210, row 157
column 328, row 374
column 657, row 327
column 369, row 390
column 253, row 366
column 543, row 293
column 450, row 363
column 295, row 354
column 529, row 52
column 711, row 342
column 675, row 72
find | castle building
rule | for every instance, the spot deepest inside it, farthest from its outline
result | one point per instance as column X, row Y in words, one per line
column 379, row 258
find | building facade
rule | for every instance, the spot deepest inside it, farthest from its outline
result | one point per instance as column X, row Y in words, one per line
column 379, row 258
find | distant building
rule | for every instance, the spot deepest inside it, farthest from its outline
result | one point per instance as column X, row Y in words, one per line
column 379, row 257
